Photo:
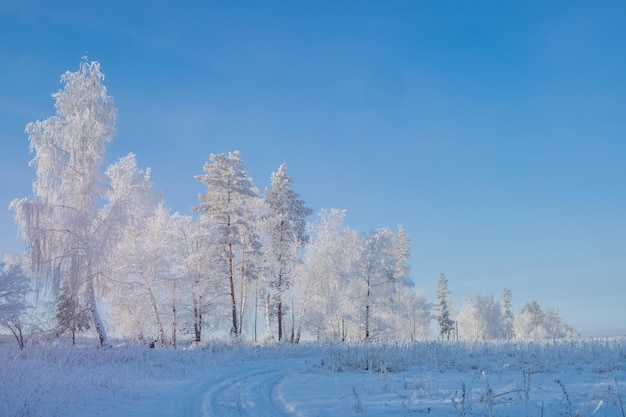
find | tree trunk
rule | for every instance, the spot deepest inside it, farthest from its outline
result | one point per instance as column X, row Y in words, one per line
column 233, row 299
column 367, row 322
column 157, row 317
column 293, row 324
column 367, row 313
column 279, row 310
column 268, row 321
column 242, row 293
column 93, row 308
column 197, row 312
column 16, row 329
column 174, row 317
column 256, row 308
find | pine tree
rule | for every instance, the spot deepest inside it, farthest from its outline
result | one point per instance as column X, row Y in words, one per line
column 286, row 225
column 442, row 308
column 223, row 207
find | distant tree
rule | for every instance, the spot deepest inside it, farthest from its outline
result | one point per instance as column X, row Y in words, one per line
column 442, row 308
column 324, row 304
column 533, row 323
column 224, row 210
column 14, row 287
column 286, row 223
column 480, row 318
column 529, row 322
column 554, row 326
column 376, row 272
column 507, row 315
column 62, row 225
column 420, row 317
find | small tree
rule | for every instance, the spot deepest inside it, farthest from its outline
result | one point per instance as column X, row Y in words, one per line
column 533, row 323
column 14, row 286
column 71, row 316
column 529, row 322
column 507, row 315
column 442, row 308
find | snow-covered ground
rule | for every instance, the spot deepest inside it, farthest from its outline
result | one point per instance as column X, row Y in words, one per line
column 579, row 378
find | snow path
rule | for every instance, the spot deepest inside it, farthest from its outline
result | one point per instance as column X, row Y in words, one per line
column 245, row 389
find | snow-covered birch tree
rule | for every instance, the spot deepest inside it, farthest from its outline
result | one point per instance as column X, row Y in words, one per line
column 286, row 224
column 480, row 318
column 380, row 267
column 324, row 283
column 62, row 225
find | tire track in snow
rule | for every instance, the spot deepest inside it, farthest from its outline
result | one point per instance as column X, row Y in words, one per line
column 245, row 389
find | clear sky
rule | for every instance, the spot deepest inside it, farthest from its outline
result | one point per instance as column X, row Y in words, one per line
column 494, row 131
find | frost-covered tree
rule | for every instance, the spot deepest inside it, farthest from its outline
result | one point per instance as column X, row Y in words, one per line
column 533, row 323
column 250, row 262
column 63, row 224
column 555, row 327
column 223, row 208
column 376, row 272
column 419, row 316
column 480, row 318
column 14, row 287
column 442, row 308
column 285, row 224
column 71, row 316
column 149, row 273
column 529, row 322
column 324, row 303
column 201, row 262
column 142, row 261
column 508, row 319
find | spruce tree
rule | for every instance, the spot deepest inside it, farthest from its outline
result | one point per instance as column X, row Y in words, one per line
column 70, row 315
column 442, row 308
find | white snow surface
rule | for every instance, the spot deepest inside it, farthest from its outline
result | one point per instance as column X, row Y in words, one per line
column 576, row 378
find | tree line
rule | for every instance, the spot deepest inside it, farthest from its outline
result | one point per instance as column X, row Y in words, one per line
column 112, row 258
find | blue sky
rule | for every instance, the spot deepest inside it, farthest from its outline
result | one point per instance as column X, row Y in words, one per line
column 494, row 131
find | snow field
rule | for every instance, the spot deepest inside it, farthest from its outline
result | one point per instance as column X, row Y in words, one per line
column 576, row 378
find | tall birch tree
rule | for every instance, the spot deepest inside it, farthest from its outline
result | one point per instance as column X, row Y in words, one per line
column 62, row 225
